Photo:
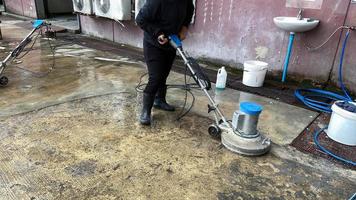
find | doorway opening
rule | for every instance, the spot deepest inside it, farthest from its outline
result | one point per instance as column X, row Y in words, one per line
column 61, row 13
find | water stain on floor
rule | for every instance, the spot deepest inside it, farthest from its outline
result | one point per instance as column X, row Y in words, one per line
column 94, row 149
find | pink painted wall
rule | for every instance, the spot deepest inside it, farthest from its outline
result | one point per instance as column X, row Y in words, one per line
column 14, row 6
column 29, row 8
column 317, row 64
column 98, row 27
column 22, row 7
column 232, row 31
column 236, row 33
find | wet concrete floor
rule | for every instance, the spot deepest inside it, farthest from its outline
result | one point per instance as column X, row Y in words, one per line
column 73, row 134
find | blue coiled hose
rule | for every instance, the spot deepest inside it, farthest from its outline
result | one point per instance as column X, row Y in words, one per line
column 316, row 140
column 307, row 96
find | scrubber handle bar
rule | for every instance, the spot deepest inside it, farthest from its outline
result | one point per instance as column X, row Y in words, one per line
column 176, row 43
column 36, row 24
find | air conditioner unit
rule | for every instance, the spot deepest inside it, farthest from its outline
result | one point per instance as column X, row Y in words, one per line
column 138, row 5
column 83, row 6
column 113, row 9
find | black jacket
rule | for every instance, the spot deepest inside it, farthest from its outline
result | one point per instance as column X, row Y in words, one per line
column 164, row 17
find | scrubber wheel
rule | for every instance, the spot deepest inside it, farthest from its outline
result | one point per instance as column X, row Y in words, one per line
column 4, row 81
column 214, row 131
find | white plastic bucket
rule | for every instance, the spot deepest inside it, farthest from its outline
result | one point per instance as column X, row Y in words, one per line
column 254, row 73
column 342, row 126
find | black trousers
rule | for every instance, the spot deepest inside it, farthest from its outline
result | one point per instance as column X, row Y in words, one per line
column 159, row 63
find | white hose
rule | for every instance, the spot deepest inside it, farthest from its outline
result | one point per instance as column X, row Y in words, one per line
column 324, row 43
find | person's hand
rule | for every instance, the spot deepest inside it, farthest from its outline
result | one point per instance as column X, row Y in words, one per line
column 162, row 39
column 183, row 33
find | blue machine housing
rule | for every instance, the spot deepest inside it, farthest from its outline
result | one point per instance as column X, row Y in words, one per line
column 251, row 108
column 38, row 23
column 175, row 41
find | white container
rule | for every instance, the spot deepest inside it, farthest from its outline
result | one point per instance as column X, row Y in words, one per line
column 342, row 126
column 221, row 79
column 254, row 73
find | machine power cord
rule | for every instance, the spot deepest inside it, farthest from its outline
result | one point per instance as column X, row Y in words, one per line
column 187, row 87
column 52, row 48
column 316, row 140
column 307, row 96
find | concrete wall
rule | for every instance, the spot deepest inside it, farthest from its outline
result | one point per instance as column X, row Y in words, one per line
column 22, row 7
column 233, row 31
column 318, row 64
column 14, row 6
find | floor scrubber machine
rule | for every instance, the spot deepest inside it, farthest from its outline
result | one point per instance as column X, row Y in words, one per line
column 37, row 25
column 240, row 134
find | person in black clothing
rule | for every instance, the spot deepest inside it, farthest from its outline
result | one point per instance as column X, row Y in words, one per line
column 160, row 19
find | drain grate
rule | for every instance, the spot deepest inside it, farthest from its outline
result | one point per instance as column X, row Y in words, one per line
column 305, row 143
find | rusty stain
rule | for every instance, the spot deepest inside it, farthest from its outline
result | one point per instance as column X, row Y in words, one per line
column 261, row 52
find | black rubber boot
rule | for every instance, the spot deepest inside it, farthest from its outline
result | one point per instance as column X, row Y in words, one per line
column 145, row 118
column 160, row 100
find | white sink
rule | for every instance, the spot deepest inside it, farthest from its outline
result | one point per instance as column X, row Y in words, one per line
column 292, row 24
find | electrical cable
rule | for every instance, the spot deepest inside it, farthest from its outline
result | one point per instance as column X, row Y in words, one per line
column 52, row 48
column 186, row 87
column 307, row 96
column 30, row 48
column 328, row 152
column 186, row 96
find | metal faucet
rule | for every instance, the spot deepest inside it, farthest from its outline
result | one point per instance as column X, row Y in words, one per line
column 300, row 14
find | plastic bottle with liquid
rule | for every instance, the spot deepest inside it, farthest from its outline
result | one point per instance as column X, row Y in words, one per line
column 221, row 79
